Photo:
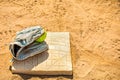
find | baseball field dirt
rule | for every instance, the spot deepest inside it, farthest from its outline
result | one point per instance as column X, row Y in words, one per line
column 94, row 27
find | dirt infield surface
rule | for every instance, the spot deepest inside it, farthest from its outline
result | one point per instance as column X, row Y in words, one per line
column 94, row 27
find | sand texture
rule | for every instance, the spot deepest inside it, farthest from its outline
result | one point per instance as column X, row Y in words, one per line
column 94, row 27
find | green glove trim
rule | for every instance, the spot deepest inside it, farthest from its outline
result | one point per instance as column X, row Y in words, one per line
column 42, row 37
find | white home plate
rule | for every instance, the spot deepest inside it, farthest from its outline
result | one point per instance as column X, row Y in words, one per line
column 55, row 61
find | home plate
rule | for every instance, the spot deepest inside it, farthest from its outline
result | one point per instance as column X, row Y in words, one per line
column 55, row 61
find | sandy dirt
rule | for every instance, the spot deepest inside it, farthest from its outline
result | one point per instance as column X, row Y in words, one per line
column 94, row 27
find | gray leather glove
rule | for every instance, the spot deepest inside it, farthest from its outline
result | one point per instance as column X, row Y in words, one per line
column 25, row 45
